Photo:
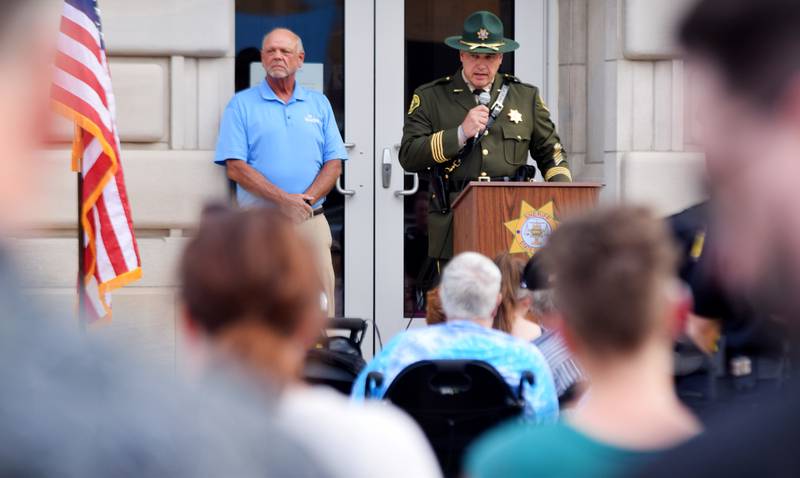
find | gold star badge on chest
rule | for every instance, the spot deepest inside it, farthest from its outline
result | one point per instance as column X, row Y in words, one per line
column 515, row 116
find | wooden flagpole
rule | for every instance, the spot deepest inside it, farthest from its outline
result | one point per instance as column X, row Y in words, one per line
column 81, row 262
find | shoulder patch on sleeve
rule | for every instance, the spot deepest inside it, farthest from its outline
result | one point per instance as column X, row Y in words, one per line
column 415, row 102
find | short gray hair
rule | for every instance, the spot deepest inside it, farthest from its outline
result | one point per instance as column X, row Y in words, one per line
column 295, row 35
column 470, row 286
column 542, row 302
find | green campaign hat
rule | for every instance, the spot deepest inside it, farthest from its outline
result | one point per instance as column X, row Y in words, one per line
column 483, row 33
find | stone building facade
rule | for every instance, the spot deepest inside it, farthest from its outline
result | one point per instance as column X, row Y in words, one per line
column 622, row 113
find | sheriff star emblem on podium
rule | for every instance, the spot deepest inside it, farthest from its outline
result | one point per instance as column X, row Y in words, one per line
column 532, row 228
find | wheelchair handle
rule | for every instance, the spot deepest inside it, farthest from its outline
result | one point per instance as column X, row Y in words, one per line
column 526, row 377
column 375, row 379
column 356, row 327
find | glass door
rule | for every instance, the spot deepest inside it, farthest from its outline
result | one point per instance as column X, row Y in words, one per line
column 409, row 52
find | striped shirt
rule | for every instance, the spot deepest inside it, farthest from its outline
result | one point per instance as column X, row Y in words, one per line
column 566, row 372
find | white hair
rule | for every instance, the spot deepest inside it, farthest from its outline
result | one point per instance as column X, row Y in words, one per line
column 470, row 286
column 295, row 35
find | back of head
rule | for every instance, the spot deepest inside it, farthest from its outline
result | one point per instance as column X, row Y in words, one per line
column 536, row 280
column 612, row 272
column 15, row 17
column 511, row 267
column 248, row 266
column 73, row 406
column 753, row 43
column 470, row 287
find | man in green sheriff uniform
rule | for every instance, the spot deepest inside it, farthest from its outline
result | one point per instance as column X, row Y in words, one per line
column 445, row 116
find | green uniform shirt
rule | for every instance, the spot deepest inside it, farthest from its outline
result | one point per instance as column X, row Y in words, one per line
column 430, row 138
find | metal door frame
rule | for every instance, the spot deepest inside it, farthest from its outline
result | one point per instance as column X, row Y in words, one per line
column 374, row 113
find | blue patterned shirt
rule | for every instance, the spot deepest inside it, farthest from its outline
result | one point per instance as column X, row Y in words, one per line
column 463, row 340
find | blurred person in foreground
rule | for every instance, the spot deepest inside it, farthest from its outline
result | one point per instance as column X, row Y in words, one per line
column 70, row 405
column 744, row 58
column 745, row 342
column 514, row 314
column 259, row 310
column 616, row 288
column 569, row 378
column 470, row 296
column 25, row 53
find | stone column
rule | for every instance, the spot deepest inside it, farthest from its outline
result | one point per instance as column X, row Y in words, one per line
column 623, row 101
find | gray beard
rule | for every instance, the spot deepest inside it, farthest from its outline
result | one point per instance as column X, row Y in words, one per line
column 279, row 75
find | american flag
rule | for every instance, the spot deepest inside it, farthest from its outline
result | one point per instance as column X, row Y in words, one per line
column 82, row 92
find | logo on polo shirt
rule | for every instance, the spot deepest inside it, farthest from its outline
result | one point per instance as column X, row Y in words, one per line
column 312, row 119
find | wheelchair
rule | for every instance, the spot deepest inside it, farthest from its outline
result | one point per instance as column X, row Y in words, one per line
column 336, row 360
column 454, row 402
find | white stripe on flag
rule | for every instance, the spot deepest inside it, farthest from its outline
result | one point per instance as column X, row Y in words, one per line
column 93, row 297
column 112, row 102
column 84, row 92
column 119, row 222
column 91, row 154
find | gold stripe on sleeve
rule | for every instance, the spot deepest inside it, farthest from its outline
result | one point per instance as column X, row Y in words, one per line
column 433, row 147
column 553, row 172
column 437, row 147
column 441, row 146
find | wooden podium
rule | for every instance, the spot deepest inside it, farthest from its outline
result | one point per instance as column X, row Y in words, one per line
column 495, row 217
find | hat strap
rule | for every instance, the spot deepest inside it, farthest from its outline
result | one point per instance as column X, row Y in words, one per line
column 491, row 46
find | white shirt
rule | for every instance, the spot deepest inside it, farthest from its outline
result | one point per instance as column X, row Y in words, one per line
column 352, row 439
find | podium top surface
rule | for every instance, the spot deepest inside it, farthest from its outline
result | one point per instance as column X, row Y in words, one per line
column 521, row 184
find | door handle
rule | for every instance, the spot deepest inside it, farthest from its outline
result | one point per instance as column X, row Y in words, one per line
column 386, row 168
column 342, row 190
column 339, row 188
column 414, row 186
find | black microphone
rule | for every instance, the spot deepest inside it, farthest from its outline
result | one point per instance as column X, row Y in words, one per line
column 483, row 99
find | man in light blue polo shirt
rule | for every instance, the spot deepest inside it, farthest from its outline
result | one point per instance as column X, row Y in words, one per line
column 281, row 146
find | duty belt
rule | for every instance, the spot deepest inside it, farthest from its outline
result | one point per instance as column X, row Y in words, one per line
column 460, row 183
